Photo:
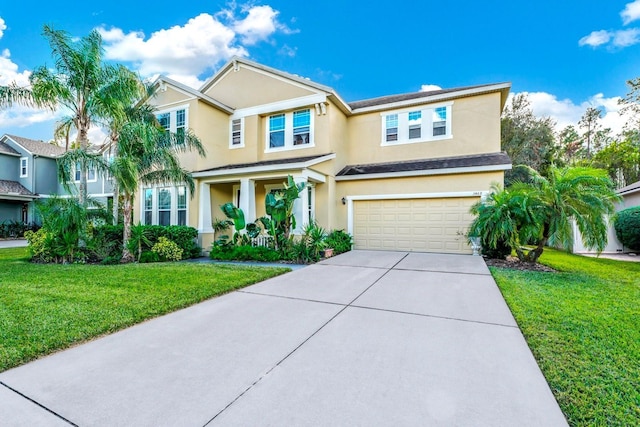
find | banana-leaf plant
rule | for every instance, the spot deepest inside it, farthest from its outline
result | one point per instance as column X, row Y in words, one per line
column 279, row 207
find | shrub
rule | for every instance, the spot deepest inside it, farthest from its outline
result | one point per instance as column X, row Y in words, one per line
column 244, row 253
column 39, row 245
column 340, row 241
column 501, row 251
column 167, row 250
column 148, row 256
column 627, row 225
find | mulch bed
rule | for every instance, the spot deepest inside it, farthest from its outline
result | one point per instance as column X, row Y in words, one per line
column 514, row 263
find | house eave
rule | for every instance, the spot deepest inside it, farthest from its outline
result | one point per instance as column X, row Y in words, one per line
column 263, row 168
column 425, row 172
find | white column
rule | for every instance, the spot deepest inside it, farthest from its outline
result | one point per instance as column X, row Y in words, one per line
column 247, row 200
column 301, row 206
column 349, row 216
column 204, row 209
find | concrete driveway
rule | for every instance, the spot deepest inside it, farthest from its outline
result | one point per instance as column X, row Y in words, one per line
column 365, row 338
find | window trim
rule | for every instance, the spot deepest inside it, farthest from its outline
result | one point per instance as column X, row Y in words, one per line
column 288, row 131
column 155, row 211
column 231, row 144
column 26, row 167
column 426, row 124
column 173, row 116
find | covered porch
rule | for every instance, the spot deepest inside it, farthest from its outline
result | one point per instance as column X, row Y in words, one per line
column 247, row 185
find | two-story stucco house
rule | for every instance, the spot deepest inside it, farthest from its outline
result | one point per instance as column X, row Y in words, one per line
column 28, row 171
column 397, row 172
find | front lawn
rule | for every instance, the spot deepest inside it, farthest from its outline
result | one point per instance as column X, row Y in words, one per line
column 44, row 308
column 583, row 327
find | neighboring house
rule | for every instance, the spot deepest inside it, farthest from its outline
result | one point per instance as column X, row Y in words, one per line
column 28, row 171
column 630, row 198
column 397, row 172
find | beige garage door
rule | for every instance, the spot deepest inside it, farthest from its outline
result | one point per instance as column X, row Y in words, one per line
column 421, row 225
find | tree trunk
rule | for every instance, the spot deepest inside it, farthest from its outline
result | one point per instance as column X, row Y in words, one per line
column 116, row 202
column 83, row 140
column 127, row 256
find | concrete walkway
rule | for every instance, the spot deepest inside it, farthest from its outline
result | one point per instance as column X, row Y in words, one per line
column 365, row 338
column 13, row 243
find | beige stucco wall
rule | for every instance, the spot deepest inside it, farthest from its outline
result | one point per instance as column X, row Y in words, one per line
column 247, row 87
column 475, row 124
column 630, row 201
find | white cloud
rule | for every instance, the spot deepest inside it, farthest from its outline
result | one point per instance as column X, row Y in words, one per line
column 19, row 116
column 624, row 38
column 288, row 51
column 596, row 38
column 3, row 26
column 187, row 52
column 429, row 88
column 631, row 12
column 259, row 24
column 565, row 112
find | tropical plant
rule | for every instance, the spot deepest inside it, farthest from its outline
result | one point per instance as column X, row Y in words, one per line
column 340, row 241
column 139, row 238
column 167, row 250
column 542, row 211
column 279, row 207
column 627, row 225
column 146, row 153
column 14, row 94
column 315, row 238
column 86, row 88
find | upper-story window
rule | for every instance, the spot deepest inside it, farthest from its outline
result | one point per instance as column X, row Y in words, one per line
column 290, row 130
column 417, row 125
column 237, row 136
column 24, row 169
column 175, row 120
column 77, row 173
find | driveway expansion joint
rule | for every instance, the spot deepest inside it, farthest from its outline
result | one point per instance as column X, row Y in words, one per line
column 292, row 298
column 442, row 271
column 38, row 404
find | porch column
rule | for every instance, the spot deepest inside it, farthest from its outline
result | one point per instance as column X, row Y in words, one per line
column 204, row 209
column 301, row 206
column 248, row 199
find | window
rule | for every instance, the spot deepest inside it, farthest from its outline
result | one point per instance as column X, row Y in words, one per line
column 311, row 192
column 77, row 174
column 91, row 175
column 176, row 120
column 237, row 139
column 182, row 205
column 24, row 170
column 301, row 127
column 410, row 126
column 392, row 128
column 165, row 120
column 290, row 130
column 276, row 131
column 440, row 121
column 148, row 206
column 164, row 206
column 415, row 124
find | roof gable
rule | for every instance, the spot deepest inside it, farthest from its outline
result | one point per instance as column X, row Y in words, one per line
column 39, row 148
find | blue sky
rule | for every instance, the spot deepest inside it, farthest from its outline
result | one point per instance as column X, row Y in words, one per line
column 567, row 55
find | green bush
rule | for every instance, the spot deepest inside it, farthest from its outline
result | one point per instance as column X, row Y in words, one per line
column 340, row 241
column 39, row 245
column 148, row 256
column 244, row 253
column 501, row 251
column 627, row 225
column 167, row 249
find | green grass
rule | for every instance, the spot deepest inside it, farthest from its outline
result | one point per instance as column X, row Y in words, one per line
column 44, row 308
column 583, row 327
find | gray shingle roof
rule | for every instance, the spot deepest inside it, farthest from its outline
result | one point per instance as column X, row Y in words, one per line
column 265, row 163
column 13, row 187
column 631, row 188
column 4, row 148
column 40, row 148
column 408, row 96
column 491, row 159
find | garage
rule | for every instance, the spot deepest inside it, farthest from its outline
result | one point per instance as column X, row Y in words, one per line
column 420, row 225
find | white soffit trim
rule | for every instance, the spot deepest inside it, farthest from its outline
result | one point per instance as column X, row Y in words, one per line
column 446, row 171
column 445, row 195
column 433, row 98
column 264, row 168
column 274, row 107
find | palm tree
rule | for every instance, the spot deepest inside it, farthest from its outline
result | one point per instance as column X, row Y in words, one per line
column 90, row 91
column 15, row 94
column 147, row 154
column 543, row 209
